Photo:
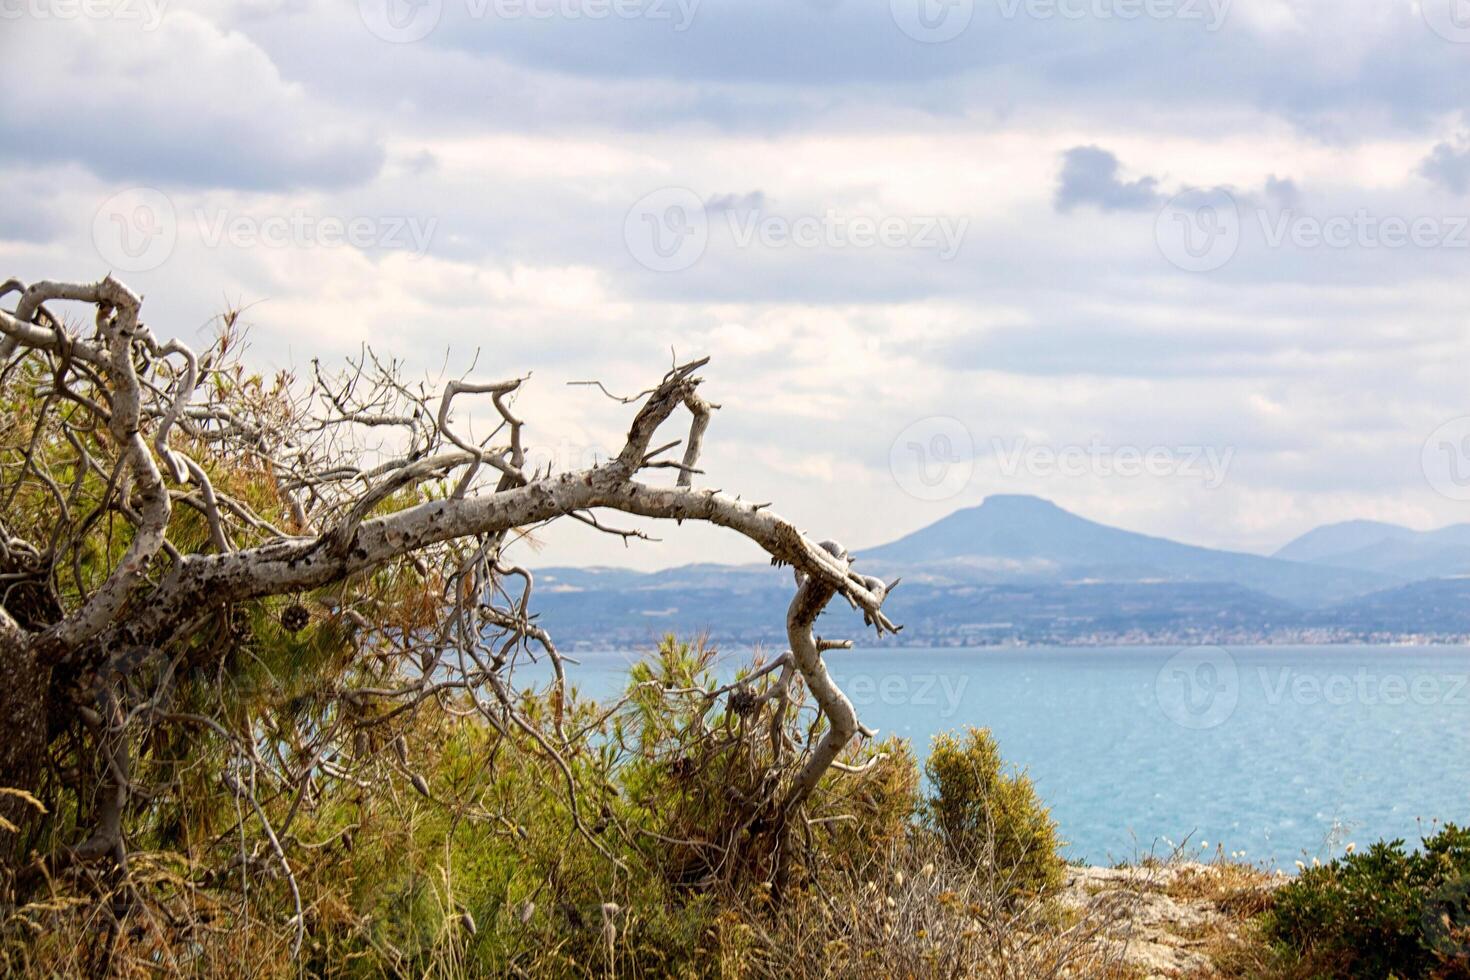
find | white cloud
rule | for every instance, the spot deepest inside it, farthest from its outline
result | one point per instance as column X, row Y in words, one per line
column 186, row 102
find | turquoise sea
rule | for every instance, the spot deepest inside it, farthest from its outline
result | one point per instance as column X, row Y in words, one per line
column 1283, row 753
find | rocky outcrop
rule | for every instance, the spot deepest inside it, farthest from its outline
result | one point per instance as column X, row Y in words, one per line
column 1165, row 920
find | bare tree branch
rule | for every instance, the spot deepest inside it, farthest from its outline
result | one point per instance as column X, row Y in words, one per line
column 295, row 493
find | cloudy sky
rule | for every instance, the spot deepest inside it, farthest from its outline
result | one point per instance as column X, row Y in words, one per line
column 1192, row 267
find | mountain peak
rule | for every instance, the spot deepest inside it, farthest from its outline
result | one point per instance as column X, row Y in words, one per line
column 1017, row 501
column 1388, row 549
column 1016, row 537
column 1009, row 525
column 1341, row 538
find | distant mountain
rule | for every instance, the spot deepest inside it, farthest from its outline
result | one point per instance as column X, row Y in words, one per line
column 1440, row 606
column 1322, row 543
column 1385, row 549
column 1020, row 569
column 1012, row 538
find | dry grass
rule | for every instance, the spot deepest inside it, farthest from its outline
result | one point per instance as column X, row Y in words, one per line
column 919, row 913
column 1238, row 891
column 910, row 912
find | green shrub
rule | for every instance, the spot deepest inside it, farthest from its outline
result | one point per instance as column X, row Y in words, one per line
column 987, row 815
column 1382, row 912
column 701, row 783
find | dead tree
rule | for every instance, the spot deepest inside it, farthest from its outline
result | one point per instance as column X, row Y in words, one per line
column 134, row 522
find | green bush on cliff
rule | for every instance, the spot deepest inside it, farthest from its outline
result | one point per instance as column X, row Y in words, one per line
column 1385, row 911
column 986, row 814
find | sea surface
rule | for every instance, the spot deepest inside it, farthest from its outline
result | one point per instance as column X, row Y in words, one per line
column 1275, row 754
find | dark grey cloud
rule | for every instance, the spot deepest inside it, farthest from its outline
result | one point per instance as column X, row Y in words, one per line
column 224, row 154
column 1090, row 176
column 1449, row 167
column 751, row 201
column 1282, row 191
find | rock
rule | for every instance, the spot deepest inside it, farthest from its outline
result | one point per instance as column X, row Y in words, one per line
column 1162, row 918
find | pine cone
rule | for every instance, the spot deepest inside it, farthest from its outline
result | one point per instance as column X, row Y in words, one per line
column 743, row 701
column 294, row 618
column 241, row 633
